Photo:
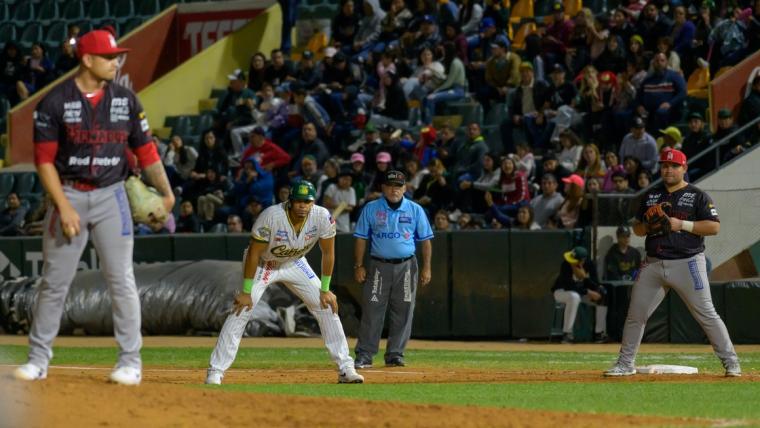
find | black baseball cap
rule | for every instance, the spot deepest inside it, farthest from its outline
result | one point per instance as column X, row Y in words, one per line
column 639, row 123
column 258, row 130
column 500, row 43
column 307, row 54
column 619, row 174
column 623, row 230
column 393, row 177
column 339, row 57
column 724, row 113
column 558, row 68
column 696, row 115
column 549, row 156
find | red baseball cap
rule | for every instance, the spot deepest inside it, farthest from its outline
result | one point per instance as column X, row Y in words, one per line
column 575, row 179
column 98, row 42
column 673, row 156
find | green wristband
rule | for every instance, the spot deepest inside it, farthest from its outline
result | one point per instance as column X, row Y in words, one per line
column 326, row 283
column 247, row 285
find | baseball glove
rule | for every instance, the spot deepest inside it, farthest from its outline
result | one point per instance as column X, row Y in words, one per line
column 145, row 202
column 657, row 220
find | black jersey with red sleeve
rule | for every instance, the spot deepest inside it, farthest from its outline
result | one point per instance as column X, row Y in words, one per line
column 87, row 143
column 688, row 203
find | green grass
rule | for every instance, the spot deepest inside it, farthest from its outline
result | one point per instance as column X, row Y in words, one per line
column 708, row 400
column 285, row 358
column 719, row 399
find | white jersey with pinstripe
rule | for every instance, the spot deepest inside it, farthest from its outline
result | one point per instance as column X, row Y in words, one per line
column 284, row 262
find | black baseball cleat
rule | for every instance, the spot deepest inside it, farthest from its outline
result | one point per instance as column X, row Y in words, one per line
column 568, row 338
column 395, row 362
column 601, row 338
column 362, row 362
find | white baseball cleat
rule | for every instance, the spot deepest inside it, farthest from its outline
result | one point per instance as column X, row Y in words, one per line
column 29, row 371
column 349, row 375
column 129, row 376
column 214, row 377
column 620, row 370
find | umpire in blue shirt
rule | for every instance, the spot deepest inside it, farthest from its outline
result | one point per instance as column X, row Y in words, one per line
column 392, row 225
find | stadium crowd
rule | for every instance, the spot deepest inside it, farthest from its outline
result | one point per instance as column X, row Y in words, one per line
column 584, row 104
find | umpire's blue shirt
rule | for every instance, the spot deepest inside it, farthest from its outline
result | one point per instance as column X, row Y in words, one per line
column 392, row 233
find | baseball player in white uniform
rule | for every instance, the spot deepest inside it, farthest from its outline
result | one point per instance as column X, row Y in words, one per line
column 281, row 237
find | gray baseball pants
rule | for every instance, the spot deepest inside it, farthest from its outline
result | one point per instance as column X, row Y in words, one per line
column 688, row 277
column 393, row 285
column 106, row 218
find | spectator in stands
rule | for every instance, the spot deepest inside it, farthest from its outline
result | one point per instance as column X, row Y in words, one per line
column 257, row 71
column 753, row 29
column 307, row 74
column 426, row 37
column 329, row 176
column 413, row 175
column 308, row 171
column 546, row 205
column 470, row 15
column 441, row 222
column 394, row 23
column 578, row 282
column 591, row 164
column 526, row 109
column 633, row 168
column 525, row 160
column 234, row 224
column 12, row 217
column 479, row 47
column 212, row 192
column 309, row 144
column 452, row 33
column 620, row 212
column 665, row 47
column 620, row 26
column 270, row 109
column 683, row 38
column 251, row 213
column 671, row 139
column 613, row 58
column 525, row 219
column 341, row 195
column 662, row 94
column 283, row 193
column 622, row 108
column 187, row 222
column 728, row 40
column 254, row 182
column 370, row 142
column 39, row 70
column 575, row 211
column 359, row 177
column 452, row 88
column 638, row 60
column 394, row 109
column 578, row 53
column 179, row 162
column 557, row 39
column 271, row 156
column 532, row 52
column 643, row 179
column 502, row 73
column 639, row 144
column 513, row 189
column 572, row 148
column 428, row 75
column 494, row 10
column 345, row 25
column 67, row 60
column 468, row 155
column 750, row 110
column 383, row 164
column 445, row 145
column 434, row 192
column 12, row 69
column 612, row 165
column 211, row 156
column 289, row 10
column 652, row 25
column 368, row 31
column 471, row 193
column 424, row 150
column 279, row 71
column 726, row 127
column 560, row 97
column 550, row 164
column 235, row 107
column 622, row 261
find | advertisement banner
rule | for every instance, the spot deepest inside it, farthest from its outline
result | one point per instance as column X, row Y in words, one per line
column 731, row 87
column 198, row 30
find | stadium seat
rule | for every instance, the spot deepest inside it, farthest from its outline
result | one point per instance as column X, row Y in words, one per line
column 7, row 32
column 518, row 43
column 85, row 26
column 165, row 4
column 130, row 25
column 47, row 11
column 24, row 183
column 326, row 11
column 31, row 34
column 572, row 7
column 7, row 180
column 98, row 10
column 74, row 10
column 170, row 121
column 495, row 115
column 147, row 8
column 182, row 126
column 470, row 111
column 23, row 12
column 317, row 43
column 56, row 33
column 696, row 86
column 5, row 12
column 122, row 10
column 205, row 121
column 217, row 93
column 523, row 9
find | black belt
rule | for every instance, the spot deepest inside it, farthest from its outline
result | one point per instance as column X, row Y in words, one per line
column 392, row 261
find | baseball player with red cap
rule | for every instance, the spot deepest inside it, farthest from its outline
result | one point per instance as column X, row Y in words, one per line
column 82, row 130
column 675, row 217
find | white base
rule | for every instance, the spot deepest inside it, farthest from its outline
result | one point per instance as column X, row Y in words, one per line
column 666, row 369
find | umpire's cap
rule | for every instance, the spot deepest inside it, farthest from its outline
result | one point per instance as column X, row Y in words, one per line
column 576, row 255
column 303, row 190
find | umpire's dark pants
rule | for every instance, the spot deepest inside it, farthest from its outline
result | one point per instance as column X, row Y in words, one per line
column 394, row 284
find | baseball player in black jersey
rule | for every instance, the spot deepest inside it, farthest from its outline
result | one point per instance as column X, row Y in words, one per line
column 82, row 131
column 675, row 217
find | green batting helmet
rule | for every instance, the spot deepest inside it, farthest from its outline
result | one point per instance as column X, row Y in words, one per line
column 303, row 191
